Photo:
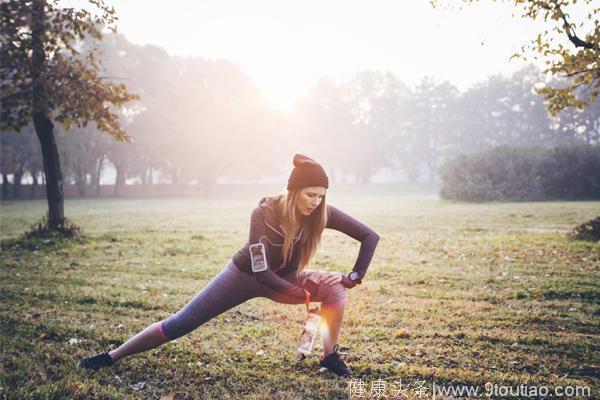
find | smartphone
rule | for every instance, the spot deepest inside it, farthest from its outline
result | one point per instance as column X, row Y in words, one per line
column 258, row 257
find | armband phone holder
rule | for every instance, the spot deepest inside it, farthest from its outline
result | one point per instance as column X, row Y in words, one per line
column 258, row 257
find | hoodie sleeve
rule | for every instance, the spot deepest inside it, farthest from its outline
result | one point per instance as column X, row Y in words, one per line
column 268, row 277
column 367, row 237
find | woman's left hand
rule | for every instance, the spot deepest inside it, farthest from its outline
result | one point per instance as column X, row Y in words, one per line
column 330, row 278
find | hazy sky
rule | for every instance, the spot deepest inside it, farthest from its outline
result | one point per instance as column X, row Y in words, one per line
column 285, row 46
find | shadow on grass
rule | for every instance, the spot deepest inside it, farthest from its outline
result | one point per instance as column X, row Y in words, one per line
column 17, row 330
column 591, row 296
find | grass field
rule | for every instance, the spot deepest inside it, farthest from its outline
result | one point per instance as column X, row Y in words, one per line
column 457, row 294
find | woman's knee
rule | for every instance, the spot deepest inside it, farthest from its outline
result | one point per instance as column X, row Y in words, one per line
column 174, row 327
column 334, row 294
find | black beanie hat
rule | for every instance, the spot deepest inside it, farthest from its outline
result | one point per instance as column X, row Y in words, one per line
column 307, row 172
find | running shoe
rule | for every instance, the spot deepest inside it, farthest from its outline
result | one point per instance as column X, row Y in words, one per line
column 335, row 364
column 98, row 361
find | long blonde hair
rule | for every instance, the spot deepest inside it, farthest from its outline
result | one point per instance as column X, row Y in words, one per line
column 312, row 226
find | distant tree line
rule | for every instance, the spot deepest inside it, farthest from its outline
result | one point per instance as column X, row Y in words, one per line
column 376, row 121
column 197, row 120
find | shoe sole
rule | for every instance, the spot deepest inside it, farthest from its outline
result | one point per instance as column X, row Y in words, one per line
column 327, row 370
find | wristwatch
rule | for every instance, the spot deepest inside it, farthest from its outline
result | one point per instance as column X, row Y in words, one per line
column 353, row 276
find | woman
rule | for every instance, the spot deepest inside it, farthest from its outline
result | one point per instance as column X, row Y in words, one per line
column 290, row 227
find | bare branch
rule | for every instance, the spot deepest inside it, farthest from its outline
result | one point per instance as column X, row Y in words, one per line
column 573, row 36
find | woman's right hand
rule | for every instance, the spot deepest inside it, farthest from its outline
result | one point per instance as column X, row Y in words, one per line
column 348, row 284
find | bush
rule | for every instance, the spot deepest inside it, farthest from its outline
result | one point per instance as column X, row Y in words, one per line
column 508, row 173
column 588, row 231
column 571, row 172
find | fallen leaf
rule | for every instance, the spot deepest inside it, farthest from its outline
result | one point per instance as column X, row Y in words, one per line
column 402, row 333
column 138, row 386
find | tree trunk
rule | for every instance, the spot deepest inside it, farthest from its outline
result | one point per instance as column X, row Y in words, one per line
column 363, row 176
column 17, row 182
column 431, row 172
column 81, row 180
column 44, row 128
column 430, row 162
column 54, row 181
column 119, row 179
column 411, row 174
column 98, row 175
column 175, row 178
column 433, row 154
column 345, row 178
column 4, row 185
column 81, row 185
column 35, row 183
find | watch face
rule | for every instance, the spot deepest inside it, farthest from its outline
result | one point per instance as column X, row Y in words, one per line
column 353, row 276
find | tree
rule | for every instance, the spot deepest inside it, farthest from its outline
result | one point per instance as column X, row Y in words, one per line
column 222, row 123
column 505, row 110
column 433, row 122
column 44, row 78
column 578, row 60
column 325, row 126
column 82, row 154
column 20, row 155
column 580, row 124
column 379, row 113
column 148, row 71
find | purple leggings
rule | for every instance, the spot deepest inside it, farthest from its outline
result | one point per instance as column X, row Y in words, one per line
column 232, row 287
